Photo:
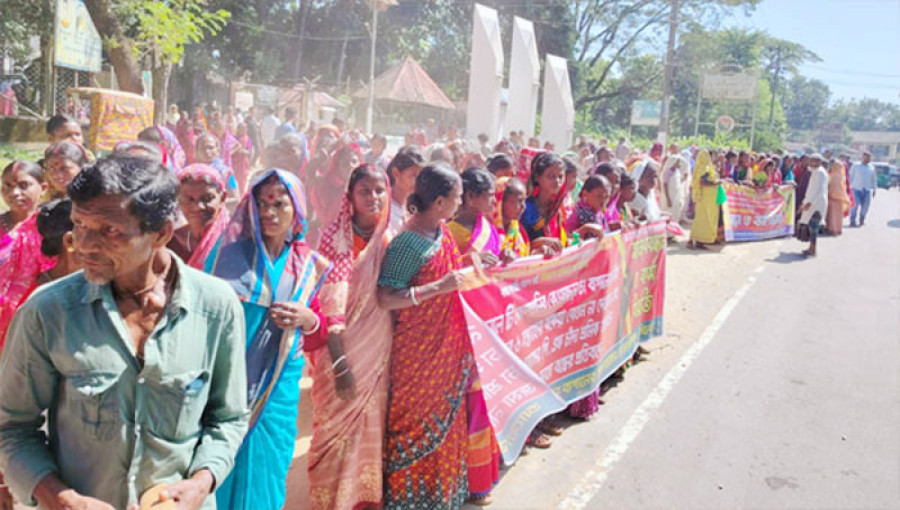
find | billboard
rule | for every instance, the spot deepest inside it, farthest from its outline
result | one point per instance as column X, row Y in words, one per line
column 729, row 87
column 78, row 45
column 645, row 113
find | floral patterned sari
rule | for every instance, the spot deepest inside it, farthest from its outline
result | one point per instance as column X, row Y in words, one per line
column 427, row 436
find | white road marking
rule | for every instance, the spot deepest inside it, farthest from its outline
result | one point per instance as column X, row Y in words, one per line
column 593, row 480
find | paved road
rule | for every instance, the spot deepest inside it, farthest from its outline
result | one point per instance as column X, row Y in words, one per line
column 789, row 398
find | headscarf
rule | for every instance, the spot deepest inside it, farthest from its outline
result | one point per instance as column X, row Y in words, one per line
column 244, row 263
column 317, row 140
column 326, row 200
column 337, row 246
column 176, row 157
column 704, row 167
column 672, row 164
column 213, row 235
column 653, row 211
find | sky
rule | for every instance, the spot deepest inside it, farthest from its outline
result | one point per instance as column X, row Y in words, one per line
column 857, row 40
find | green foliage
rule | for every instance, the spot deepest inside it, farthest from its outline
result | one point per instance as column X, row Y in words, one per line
column 163, row 29
column 805, row 102
column 720, row 140
column 21, row 19
column 865, row 115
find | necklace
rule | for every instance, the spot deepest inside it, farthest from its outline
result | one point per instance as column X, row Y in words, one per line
column 365, row 234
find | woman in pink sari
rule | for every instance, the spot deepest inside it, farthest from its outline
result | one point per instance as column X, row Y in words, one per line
column 350, row 377
column 474, row 233
column 472, row 228
column 201, row 198
column 326, row 200
column 241, row 158
column 228, row 144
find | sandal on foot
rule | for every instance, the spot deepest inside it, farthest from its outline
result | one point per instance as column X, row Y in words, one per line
column 485, row 500
column 541, row 441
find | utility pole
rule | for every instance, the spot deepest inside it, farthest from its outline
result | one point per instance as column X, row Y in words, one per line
column 667, row 81
column 370, row 108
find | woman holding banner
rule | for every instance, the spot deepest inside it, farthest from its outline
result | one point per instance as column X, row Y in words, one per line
column 350, row 377
column 704, row 191
column 427, row 435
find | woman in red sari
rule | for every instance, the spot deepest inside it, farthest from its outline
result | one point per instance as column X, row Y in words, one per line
column 426, row 440
column 350, row 377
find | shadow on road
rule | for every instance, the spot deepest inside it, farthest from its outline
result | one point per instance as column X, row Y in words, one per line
column 894, row 224
column 787, row 258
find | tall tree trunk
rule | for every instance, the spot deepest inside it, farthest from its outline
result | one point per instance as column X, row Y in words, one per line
column 128, row 73
column 161, row 76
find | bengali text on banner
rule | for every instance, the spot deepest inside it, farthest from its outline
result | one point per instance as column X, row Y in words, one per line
column 752, row 214
column 547, row 332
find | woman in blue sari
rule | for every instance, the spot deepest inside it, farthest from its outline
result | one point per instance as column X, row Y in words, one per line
column 277, row 275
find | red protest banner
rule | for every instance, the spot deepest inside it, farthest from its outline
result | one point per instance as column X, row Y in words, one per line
column 752, row 214
column 547, row 332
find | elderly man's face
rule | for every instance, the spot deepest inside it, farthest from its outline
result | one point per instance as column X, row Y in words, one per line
column 108, row 238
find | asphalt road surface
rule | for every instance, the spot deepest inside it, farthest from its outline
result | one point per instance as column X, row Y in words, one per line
column 776, row 386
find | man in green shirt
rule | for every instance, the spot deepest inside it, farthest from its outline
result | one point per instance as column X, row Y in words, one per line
column 138, row 360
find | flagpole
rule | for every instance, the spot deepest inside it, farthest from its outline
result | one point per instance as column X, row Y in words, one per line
column 370, row 109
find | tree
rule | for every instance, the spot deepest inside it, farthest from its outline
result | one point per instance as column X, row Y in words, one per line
column 609, row 31
column 805, row 102
column 865, row 115
column 22, row 19
column 136, row 31
column 779, row 56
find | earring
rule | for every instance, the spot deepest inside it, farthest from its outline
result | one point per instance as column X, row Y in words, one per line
column 70, row 249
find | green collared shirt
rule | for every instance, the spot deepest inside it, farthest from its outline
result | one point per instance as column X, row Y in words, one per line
column 117, row 428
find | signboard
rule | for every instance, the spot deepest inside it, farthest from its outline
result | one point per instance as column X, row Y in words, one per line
column 78, row 45
column 724, row 124
column 729, row 87
column 752, row 214
column 547, row 332
column 646, row 113
column 243, row 100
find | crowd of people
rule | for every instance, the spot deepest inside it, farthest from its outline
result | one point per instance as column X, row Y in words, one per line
column 197, row 269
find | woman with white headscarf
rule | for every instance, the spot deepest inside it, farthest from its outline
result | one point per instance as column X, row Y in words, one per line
column 675, row 180
column 645, row 206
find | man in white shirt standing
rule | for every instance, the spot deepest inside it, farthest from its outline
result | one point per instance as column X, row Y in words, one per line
column 815, row 203
column 862, row 181
column 268, row 125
